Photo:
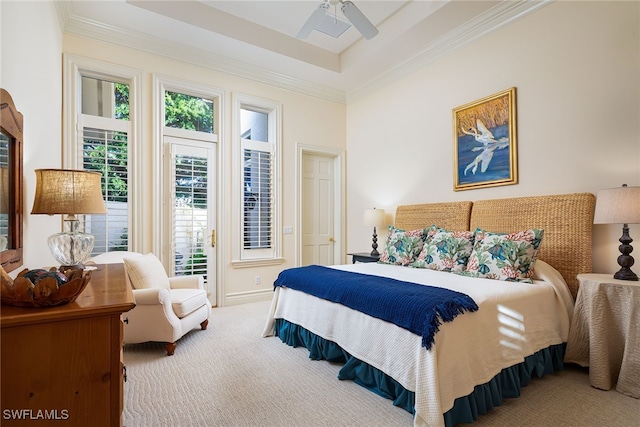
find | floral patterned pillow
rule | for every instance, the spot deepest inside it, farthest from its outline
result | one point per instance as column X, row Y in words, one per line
column 402, row 246
column 507, row 257
column 445, row 250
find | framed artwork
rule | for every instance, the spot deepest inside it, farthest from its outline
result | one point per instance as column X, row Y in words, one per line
column 484, row 142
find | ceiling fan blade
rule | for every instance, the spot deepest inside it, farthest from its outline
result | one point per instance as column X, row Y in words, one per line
column 357, row 18
column 313, row 21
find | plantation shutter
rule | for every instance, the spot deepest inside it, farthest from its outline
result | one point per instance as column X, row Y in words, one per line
column 257, row 200
column 105, row 148
column 257, row 218
column 189, row 215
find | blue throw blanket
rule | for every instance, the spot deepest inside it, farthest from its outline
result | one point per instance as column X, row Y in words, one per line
column 417, row 308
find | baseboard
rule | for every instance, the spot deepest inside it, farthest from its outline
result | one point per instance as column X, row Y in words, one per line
column 238, row 298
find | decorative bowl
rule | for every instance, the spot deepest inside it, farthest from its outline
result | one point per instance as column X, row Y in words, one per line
column 43, row 288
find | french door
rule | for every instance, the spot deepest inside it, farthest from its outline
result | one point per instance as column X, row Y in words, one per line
column 191, row 210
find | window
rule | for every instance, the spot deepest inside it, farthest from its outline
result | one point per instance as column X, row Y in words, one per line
column 99, row 110
column 256, row 178
column 182, row 111
column 105, row 149
column 257, row 147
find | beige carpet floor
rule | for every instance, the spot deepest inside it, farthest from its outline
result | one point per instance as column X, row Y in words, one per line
column 229, row 375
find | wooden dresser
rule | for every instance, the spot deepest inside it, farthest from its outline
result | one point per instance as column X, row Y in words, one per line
column 64, row 364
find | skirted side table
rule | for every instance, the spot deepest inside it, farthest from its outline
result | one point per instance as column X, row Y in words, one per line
column 605, row 332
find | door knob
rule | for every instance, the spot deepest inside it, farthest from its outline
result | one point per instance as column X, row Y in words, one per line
column 331, row 239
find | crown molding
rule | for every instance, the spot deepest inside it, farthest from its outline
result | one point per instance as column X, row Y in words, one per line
column 498, row 16
column 87, row 28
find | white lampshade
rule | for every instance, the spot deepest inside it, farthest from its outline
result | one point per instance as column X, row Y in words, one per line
column 374, row 217
column 619, row 205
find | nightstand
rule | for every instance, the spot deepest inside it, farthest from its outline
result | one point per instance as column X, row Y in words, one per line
column 364, row 257
column 605, row 332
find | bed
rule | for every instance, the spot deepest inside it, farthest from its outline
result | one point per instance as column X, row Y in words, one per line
column 481, row 356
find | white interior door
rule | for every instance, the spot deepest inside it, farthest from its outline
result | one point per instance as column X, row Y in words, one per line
column 318, row 210
column 192, row 210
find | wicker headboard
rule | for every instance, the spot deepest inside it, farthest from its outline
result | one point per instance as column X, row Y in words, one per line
column 450, row 215
column 567, row 220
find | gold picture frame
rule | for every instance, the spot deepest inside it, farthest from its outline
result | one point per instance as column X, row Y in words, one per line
column 484, row 142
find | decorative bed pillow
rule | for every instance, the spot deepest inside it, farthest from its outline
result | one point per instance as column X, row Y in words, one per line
column 402, row 246
column 445, row 250
column 507, row 257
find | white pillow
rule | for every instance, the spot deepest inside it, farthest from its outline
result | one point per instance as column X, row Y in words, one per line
column 146, row 271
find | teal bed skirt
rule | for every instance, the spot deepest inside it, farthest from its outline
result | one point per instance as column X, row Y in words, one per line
column 465, row 409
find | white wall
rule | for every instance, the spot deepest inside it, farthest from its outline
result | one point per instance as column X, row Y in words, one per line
column 325, row 127
column 576, row 67
column 31, row 71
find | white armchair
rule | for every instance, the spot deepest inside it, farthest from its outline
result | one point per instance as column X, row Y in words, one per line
column 166, row 307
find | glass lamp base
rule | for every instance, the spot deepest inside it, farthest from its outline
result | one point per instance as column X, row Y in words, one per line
column 71, row 248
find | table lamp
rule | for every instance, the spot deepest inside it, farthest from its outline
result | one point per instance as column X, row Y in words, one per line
column 620, row 205
column 374, row 218
column 69, row 192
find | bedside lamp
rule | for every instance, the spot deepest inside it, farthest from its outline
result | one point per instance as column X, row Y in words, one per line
column 620, row 206
column 69, row 192
column 374, row 218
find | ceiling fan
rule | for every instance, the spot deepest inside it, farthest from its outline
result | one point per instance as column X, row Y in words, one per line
column 350, row 10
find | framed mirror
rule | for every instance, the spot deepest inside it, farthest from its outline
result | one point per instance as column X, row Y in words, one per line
column 11, row 140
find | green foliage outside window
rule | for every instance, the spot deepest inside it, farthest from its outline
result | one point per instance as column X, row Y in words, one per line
column 197, row 263
column 122, row 101
column 188, row 112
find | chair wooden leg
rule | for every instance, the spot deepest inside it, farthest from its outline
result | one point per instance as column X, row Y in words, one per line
column 170, row 347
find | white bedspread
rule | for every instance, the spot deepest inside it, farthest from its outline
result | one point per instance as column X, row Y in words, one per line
column 514, row 320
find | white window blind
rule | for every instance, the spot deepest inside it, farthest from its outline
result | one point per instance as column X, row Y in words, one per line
column 189, row 214
column 258, row 206
column 106, row 150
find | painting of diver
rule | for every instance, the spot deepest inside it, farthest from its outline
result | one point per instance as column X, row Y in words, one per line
column 485, row 153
